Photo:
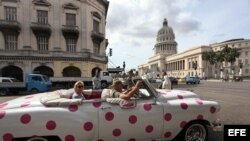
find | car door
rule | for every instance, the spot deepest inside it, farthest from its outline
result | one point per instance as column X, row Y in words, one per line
column 143, row 122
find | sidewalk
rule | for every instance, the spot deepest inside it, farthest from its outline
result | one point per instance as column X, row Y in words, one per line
column 219, row 80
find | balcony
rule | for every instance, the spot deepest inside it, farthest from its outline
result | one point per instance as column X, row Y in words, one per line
column 10, row 25
column 97, row 36
column 38, row 27
column 51, row 55
column 70, row 29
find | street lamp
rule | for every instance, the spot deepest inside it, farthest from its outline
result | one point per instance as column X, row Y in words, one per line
column 241, row 66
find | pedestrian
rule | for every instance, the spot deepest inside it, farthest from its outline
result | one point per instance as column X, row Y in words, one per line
column 166, row 84
column 96, row 82
column 129, row 80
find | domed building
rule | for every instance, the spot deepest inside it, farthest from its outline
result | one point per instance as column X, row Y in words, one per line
column 166, row 59
column 165, row 46
column 166, row 43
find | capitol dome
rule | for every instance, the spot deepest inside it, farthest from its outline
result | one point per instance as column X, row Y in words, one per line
column 165, row 41
column 165, row 32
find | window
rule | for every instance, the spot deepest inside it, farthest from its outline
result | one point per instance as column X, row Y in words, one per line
column 246, row 71
column 105, row 74
column 96, row 48
column 42, row 17
column 11, row 41
column 10, row 13
column 239, row 61
column 36, row 78
column 96, row 26
column 70, row 19
column 71, row 45
column 246, row 62
column 42, row 43
column 226, row 64
column 6, row 80
column 246, row 53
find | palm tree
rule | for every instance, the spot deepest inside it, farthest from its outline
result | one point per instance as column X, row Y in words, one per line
column 205, row 57
column 219, row 58
column 209, row 56
column 230, row 55
column 212, row 57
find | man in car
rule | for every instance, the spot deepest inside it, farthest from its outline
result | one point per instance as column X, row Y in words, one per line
column 117, row 90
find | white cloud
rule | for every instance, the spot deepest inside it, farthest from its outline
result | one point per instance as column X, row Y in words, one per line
column 132, row 25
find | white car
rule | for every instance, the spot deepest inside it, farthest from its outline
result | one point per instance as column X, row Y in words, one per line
column 153, row 114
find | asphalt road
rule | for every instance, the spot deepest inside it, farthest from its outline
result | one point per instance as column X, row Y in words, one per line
column 234, row 98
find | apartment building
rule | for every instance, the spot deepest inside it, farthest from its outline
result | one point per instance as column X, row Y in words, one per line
column 59, row 38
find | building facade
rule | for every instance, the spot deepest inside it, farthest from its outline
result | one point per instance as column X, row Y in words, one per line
column 166, row 59
column 58, row 38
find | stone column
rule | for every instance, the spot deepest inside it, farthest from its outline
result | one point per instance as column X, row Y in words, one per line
column 56, row 24
column 26, row 24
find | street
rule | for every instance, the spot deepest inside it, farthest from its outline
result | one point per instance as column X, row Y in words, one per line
column 233, row 97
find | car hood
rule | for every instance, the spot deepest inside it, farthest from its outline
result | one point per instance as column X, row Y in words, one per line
column 165, row 95
column 22, row 102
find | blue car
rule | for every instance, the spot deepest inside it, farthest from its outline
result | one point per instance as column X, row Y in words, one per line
column 192, row 80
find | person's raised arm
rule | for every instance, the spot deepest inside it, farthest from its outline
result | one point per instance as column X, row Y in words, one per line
column 131, row 93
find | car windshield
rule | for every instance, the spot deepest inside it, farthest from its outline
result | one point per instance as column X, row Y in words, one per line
column 45, row 78
column 147, row 85
column 14, row 80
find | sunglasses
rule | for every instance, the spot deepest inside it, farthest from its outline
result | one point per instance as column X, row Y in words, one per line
column 79, row 86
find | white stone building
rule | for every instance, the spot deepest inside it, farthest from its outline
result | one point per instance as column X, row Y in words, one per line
column 176, row 64
column 54, row 37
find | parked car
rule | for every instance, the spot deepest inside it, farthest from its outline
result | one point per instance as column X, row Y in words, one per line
column 181, row 80
column 8, row 79
column 155, row 114
column 192, row 80
column 238, row 78
column 173, row 80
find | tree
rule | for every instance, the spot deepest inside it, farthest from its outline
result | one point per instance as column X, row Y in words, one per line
column 230, row 55
column 209, row 56
column 219, row 58
column 205, row 56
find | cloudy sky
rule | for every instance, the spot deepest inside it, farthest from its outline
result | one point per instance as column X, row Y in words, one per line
column 132, row 25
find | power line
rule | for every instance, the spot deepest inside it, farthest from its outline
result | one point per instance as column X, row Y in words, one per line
column 113, row 64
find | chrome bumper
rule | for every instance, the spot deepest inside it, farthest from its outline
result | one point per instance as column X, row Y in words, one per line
column 217, row 126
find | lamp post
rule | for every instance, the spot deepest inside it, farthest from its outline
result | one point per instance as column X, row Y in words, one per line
column 241, row 66
column 221, row 72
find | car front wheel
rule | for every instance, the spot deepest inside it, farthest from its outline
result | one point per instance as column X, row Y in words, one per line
column 104, row 85
column 44, row 138
column 3, row 92
column 37, row 139
column 194, row 132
